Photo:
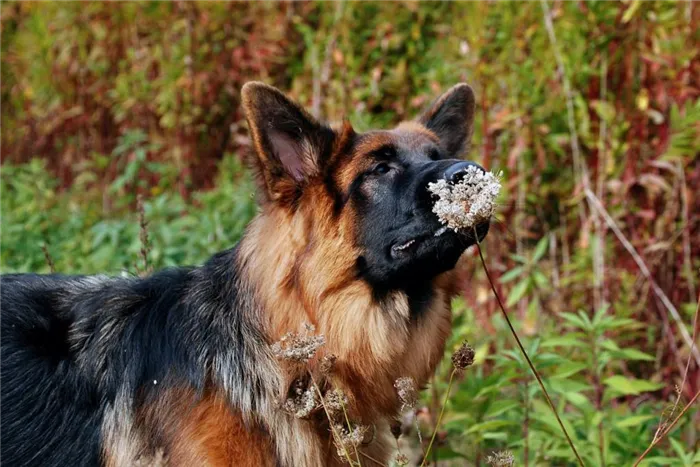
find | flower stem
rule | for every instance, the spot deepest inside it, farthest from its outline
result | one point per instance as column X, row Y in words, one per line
column 439, row 420
column 522, row 350
column 336, row 436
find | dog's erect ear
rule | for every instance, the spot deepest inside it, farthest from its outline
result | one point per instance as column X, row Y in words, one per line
column 451, row 118
column 289, row 143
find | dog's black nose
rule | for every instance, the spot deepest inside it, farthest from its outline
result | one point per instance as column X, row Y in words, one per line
column 456, row 172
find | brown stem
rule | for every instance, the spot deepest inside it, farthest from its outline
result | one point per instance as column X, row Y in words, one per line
column 49, row 259
column 529, row 362
column 667, row 430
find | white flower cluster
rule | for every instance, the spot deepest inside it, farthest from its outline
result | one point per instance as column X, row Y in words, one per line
column 463, row 205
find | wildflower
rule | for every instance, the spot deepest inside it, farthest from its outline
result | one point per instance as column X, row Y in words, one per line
column 501, row 459
column 302, row 401
column 462, row 205
column 297, row 347
column 407, row 391
column 327, row 363
column 463, row 357
column 336, row 401
column 348, row 440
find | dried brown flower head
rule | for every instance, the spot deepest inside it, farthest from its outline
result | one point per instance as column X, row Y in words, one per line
column 336, row 401
column 348, row 440
column 301, row 401
column 463, row 357
column 327, row 363
column 298, row 347
column 401, row 459
column 407, row 391
column 501, row 459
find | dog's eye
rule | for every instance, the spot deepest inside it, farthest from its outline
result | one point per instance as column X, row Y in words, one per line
column 433, row 154
column 382, row 168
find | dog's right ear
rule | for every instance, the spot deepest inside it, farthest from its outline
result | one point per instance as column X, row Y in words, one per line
column 451, row 118
column 289, row 143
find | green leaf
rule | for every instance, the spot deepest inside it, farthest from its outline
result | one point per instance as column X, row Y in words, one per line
column 568, row 369
column 630, row 12
column 517, row 292
column 605, row 110
column 634, row 420
column 579, row 400
column 634, row 354
column 610, row 345
column 501, row 406
column 490, row 425
column 574, row 319
column 512, row 274
column 569, row 340
column 540, row 249
column 541, row 280
column 449, row 453
column 631, row 386
column 519, row 258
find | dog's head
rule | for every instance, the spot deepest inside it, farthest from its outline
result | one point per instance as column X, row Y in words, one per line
column 368, row 188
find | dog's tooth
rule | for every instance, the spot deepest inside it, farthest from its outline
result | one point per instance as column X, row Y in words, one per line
column 405, row 245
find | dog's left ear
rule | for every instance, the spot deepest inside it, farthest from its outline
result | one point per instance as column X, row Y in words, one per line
column 289, row 143
column 451, row 118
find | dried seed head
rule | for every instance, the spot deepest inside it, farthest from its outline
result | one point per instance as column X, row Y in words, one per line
column 463, row 357
column 462, row 205
column 327, row 363
column 407, row 391
column 348, row 440
column 302, row 400
column 501, row 459
column 297, row 347
column 336, row 401
column 401, row 459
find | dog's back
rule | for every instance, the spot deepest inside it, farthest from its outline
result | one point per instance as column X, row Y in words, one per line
column 101, row 370
column 180, row 365
column 50, row 413
column 70, row 344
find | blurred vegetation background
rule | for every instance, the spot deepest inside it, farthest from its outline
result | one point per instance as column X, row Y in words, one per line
column 102, row 102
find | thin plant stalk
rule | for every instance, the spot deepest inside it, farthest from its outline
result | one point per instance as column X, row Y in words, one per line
column 143, row 234
column 522, row 350
column 330, row 421
column 596, row 204
column 668, row 429
column 687, row 364
column 663, row 430
column 347, row 420
column 49, row 259
column 439, row 420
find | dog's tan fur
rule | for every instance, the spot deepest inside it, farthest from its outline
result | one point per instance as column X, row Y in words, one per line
column 311, row 280
column 298, row 257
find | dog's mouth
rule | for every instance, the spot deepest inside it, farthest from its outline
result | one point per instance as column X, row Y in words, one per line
column 407, row 247
column 410, row 246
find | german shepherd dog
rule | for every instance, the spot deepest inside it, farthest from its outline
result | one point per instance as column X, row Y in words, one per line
column 179, row 368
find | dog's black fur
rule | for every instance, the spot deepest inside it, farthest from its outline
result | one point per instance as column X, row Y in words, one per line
column 84, row 356
column 63, row 362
